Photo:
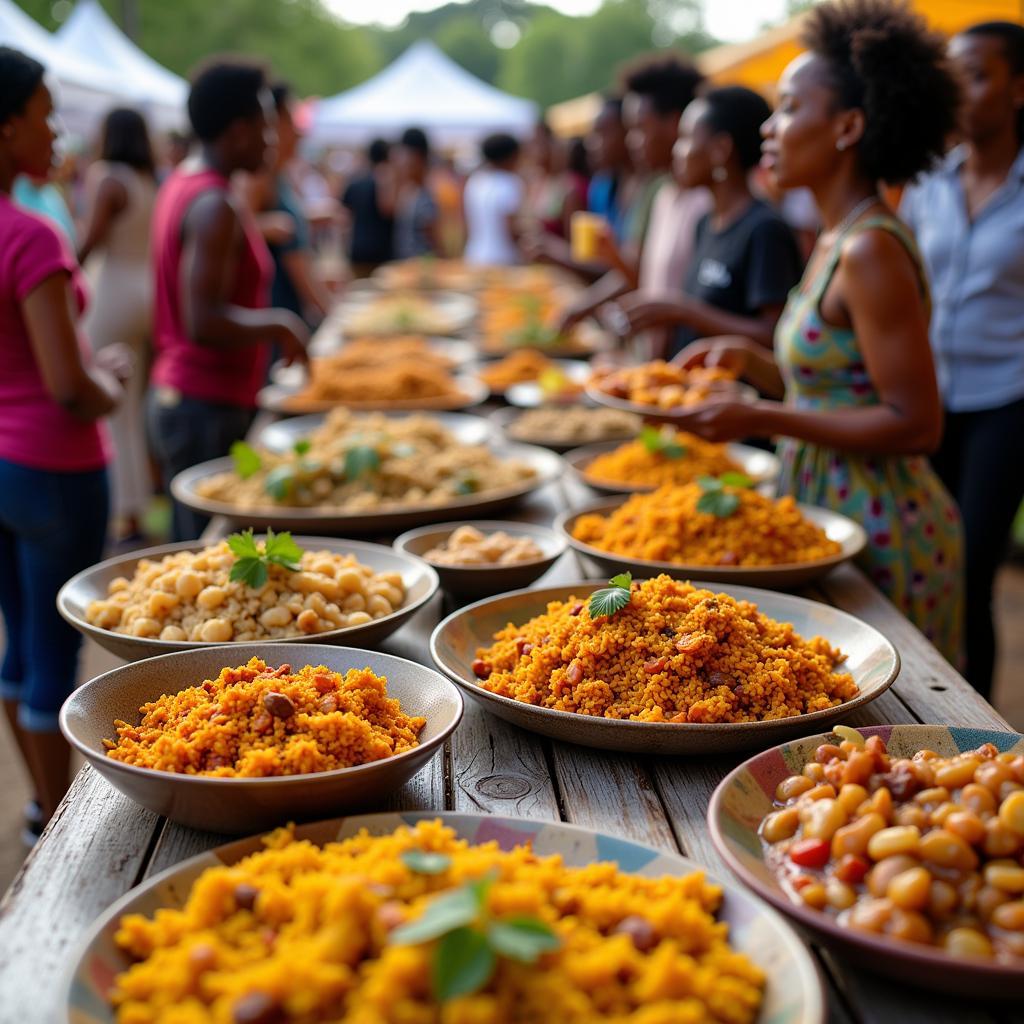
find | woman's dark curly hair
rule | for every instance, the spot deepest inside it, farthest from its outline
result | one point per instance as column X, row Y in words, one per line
column 884, row 60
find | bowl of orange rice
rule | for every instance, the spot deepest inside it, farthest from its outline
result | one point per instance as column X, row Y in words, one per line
column 237, row 738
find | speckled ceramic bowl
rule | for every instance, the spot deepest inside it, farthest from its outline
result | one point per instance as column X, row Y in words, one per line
column 793, row 994
column 746, row 795
column 870, row 659
column 237, row 805
column 421, row 583
column 476, row 581
column 603, row 564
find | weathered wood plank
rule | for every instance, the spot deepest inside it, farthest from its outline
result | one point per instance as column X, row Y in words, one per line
column 92, row 852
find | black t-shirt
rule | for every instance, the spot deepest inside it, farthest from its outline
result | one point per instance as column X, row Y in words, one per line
column 754, row 262
column 371, row 230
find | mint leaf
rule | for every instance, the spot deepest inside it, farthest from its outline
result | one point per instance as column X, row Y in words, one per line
column 673, row 450
column 468, row 483
column 718, row 503
column 360, row 460
column 650, row 438
column 734, row 479
column 244, row 544
column 709, row 483
column 425, row 863
column 250, row 571
column 302, row 446
column 611, row 599
column 464, row 963
column 282, row 550
column 279, row 482
column 452, row 910
column 247, row 459
column 522, row 938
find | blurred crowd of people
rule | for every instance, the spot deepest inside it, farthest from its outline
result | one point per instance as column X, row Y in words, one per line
column 706, row 227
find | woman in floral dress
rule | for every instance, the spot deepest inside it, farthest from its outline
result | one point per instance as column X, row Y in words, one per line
column 872, row 100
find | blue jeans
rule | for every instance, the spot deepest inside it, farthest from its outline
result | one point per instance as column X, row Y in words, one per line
column 52, row 525
column 185, row 431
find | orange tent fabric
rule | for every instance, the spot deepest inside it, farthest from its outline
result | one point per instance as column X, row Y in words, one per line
column 758, row 63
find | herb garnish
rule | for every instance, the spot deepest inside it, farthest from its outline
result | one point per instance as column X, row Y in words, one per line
column 302, row 446
column 280, row 482
column 423, row 862
column 251, row 562
column 470, row 940
column 716, row 500
column 360, row 460
column 611, row 599
column 247, row 459
column 661, row 442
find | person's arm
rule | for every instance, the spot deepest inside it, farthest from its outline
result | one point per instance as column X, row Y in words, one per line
column 645, row 313
column 109, row 202
column 213, row 233
column 748, row 359
column 881, row 292
column 257, row 192
column 88, row 393
column 310, row 288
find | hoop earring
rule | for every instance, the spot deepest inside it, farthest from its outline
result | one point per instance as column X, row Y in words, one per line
column 719, row 173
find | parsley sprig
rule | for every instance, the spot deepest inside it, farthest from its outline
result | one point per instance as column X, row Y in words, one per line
column 469, row 939
column 252, row 561
column 716, row 500
column 247, row 460
column 662, row 442
column 613, row 598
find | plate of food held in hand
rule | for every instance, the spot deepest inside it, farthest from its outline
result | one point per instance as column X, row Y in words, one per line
column 716, row 528
column 441, row 912
column 656, row 457
column 246, row 589
column 662, row 666
column 658, row 388
column 366, row 472
column 900, row 846
column 239, row 738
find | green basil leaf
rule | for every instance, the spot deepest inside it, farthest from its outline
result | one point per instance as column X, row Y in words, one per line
column 673, row 450
column 244, row 544
column 463, row 963
column 709, row 483
column 250, row 571
column 718, row 503
column 443, row 914
column 650, row 438
column 280, row 482
column 247, row 459
column 607, row 601
column 282, row 550
column 360, row 460
column 624, row 579
column 302, row 446
column 735, row 479
column 423, row 862
column 522, row 938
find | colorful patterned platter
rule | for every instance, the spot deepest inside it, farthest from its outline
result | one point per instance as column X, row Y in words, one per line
column 746, row 795
column 793, row 994
column 870, row 659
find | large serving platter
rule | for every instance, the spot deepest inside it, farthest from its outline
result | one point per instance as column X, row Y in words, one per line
column 419, row 578
column 793, row 993
column 548, row 467
column 243, row 805
column 844, row 531
column 870, row 658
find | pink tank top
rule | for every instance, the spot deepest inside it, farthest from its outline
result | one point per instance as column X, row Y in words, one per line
column 228, row 376
column 34, row 430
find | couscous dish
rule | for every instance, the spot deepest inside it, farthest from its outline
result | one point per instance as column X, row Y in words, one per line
column 297, row 932
column 668, row 525
column 660, row 457
column 255, row 721
column 673, row 653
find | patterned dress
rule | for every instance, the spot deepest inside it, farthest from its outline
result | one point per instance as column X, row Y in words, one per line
column 915, row 548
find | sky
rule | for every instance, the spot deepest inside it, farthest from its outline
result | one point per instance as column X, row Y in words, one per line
column 732, row 20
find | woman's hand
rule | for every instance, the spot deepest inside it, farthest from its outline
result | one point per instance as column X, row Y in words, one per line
column 117, row 359
column 644, row 312
column 731, row 352
column 719, row 420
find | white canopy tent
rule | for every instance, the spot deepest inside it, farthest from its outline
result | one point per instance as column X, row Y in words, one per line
column 425, row 88
column 89, row 34
column 83, row 89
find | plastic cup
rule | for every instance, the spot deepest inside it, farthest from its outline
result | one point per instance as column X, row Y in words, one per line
column 585, row 231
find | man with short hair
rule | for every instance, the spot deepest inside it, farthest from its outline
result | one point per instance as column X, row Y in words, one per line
column 212, row 324
column 369, row 199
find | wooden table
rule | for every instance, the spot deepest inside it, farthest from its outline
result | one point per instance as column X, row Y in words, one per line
column 100, row 844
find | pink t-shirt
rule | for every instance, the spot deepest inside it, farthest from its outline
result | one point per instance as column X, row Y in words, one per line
column 671, row 237
column 34, row 430
column 228, row 376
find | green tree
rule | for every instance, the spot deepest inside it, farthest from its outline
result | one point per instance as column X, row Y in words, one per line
column 466, row 41
column 542, row 65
